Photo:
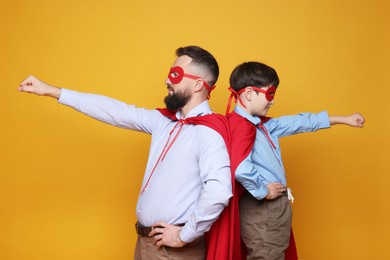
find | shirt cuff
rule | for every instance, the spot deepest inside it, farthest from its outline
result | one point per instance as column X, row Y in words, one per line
column 260, row 193
column 67, row 97
column 187, row 235
column 323, row 120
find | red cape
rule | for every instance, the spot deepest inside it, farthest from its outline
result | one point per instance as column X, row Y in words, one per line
column 244, row 133
column 224, row 239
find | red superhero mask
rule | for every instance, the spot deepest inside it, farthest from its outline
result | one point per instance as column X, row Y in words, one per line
column 269, row 95
column 176, row 75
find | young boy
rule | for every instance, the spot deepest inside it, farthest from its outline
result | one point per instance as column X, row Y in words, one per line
column 265, row 210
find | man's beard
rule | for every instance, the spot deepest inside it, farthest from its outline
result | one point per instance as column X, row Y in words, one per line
column 177, row 100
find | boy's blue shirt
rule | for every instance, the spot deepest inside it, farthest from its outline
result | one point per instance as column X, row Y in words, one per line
column 264, row 164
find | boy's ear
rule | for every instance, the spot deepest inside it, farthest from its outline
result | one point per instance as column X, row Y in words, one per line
column 248, row 93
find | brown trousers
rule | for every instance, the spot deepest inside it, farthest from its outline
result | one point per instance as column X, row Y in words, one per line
column 145, row 250
column 265, row 226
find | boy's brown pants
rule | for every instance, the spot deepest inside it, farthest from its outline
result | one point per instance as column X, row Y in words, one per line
column 265, row 226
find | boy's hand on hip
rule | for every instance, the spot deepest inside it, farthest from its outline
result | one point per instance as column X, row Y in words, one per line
column 275, row 190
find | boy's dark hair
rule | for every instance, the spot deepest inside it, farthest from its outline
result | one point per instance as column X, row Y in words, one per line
column 203, row 58
column 253, row 74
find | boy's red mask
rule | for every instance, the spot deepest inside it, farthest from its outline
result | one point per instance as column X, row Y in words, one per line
column 269, row 93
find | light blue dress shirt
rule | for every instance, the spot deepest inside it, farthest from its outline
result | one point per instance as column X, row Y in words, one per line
column 192, row 185
column 264, row 164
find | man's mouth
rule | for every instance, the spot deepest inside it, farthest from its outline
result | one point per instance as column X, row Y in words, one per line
column 170, row 90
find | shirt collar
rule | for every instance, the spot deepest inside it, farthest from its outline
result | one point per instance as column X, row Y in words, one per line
column 253, row 119
column 201, row 109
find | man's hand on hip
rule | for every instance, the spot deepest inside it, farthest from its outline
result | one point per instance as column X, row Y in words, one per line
column 166, row 235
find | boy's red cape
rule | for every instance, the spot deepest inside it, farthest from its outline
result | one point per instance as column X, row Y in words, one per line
column 223, row 239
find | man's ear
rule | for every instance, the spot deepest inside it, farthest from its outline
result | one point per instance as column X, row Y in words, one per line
column 198, row 85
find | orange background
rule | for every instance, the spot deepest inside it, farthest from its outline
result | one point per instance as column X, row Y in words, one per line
column 69, row 184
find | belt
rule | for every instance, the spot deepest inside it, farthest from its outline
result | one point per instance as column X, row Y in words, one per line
column 144, row 231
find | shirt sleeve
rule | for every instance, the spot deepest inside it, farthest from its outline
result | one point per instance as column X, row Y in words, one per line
column 215, row 173
column 250, row 178
column 109, row 110
column 295, row 124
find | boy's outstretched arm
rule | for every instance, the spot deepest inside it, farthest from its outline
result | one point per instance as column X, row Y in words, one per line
column 38, row 87
column 355, row 120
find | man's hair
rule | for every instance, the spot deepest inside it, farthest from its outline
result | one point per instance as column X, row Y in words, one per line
column 202, row 58
column 253, row 74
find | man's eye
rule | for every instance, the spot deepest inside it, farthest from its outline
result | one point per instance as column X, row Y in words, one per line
column 271, row 93
column 174, row 74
